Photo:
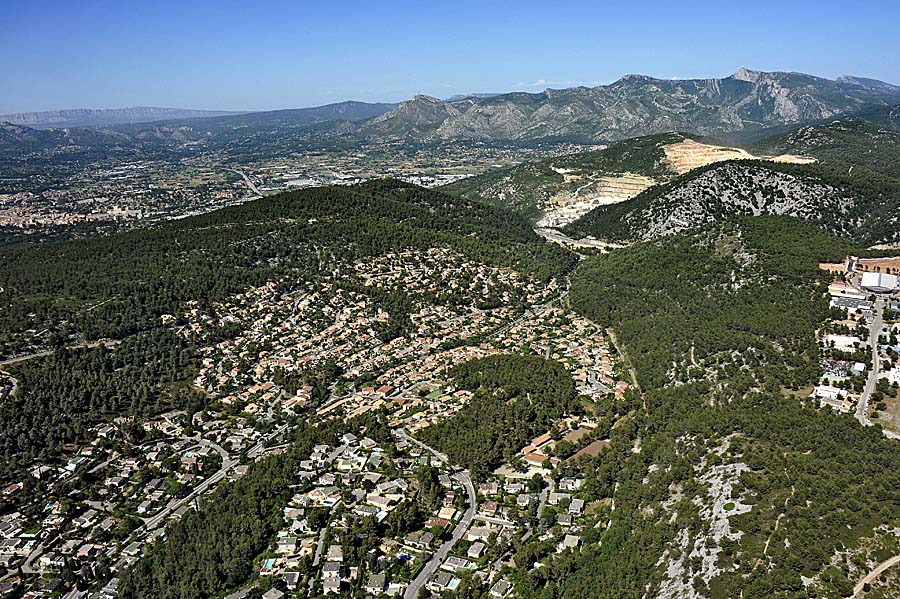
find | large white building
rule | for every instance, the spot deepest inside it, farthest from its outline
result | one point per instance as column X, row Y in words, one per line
column 879, row 282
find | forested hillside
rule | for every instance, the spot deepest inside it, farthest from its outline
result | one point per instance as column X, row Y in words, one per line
column 120, row 286
column 127, row 281
column 684, row 303
column 516, row 398
column 845, row 146
column 866, row 210
column 722, row 486
column 213, row 548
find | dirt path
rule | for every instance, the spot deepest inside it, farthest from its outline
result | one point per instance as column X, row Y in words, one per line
column 875, row 573
column 774, row 530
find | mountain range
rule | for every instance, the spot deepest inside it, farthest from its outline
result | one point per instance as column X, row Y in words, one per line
column 91, row 117
column 632, row 106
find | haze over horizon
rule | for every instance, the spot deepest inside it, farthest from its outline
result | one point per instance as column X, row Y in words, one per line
column 289, row 55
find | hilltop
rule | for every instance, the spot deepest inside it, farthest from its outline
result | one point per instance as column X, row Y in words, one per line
column 722, row 485
column 852, row 189
column 556, row 191
column 127, row 282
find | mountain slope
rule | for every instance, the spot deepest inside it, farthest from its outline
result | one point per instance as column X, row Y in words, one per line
column 529, row 187
column 557, row 191
column 205, row 256
column 853, row 188
column 841, row 146
column 721, row 190
column 272, row 121
column 632, row 106
column 273, row 127
column 717, row 485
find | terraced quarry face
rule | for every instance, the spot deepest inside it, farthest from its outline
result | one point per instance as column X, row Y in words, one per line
column 687, row 155
column 581, row 192
column 586, row 192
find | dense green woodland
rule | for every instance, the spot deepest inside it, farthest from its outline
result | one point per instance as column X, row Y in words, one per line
column 63, row 395
column 517, row 397
column 743, row 286
column 212, row 549
column 215, row 549
column 119, row 286
column 839, row 145
column 145, row 273
column 834, row 480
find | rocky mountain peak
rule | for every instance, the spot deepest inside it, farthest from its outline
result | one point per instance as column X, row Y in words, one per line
column 745, row 74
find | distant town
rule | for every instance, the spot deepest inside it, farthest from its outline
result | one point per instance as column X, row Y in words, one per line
column 119, row 194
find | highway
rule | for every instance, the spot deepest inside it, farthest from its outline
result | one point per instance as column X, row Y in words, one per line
column 247, row 180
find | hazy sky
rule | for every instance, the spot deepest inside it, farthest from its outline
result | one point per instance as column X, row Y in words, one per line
column 279, row 54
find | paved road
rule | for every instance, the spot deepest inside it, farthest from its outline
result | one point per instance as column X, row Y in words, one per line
column 556, row 236
column 875, row 573
column 227, row 463
column 154, row 521
column 319, row 545
column 497, row 521
column 26, row 567
column 412, row 591
column 862, row 408
column 103, row 465
column 403, row 435
column 18, row 359
column 631, row 370
column 260, row 446
column 544, row 494
column 532, row 312
column 15, row 382
column 47, row 352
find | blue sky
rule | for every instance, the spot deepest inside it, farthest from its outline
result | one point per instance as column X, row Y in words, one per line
column 279, row 54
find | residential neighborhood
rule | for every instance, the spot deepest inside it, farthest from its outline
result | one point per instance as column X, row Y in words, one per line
column 266, row 365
